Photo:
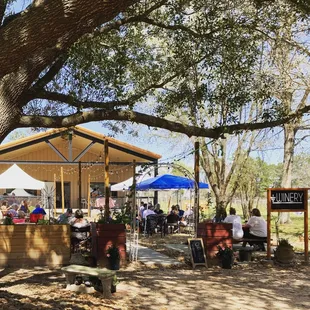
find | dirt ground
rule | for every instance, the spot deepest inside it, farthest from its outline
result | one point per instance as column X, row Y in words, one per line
column 255, row 285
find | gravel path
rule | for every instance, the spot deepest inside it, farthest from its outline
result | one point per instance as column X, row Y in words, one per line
column 251, row 286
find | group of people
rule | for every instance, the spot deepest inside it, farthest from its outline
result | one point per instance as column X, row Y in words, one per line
column 175, row 216
column 147, row 209
column 19, row 210
column 256, row 227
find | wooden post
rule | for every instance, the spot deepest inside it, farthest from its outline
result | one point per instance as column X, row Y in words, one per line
column 306, row 239
column 133, row 207
column 197, row 186
column 80, row 185
column 106, row 180
column 156, row 192
column 62, row 189
column 268, row 223
column 88, row 194
column 55, row 208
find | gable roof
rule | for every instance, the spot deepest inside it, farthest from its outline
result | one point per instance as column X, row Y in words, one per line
column 82, row 139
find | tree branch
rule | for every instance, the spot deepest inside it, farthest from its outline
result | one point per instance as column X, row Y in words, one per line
column 104, row 115
column 152, row 121
column 3, row 4
column 176, row 27
column 74, row 102
column 49, row 75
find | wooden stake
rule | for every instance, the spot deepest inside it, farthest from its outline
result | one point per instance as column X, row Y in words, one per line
column 88, row 194
column 54, row 202
column 62, row 189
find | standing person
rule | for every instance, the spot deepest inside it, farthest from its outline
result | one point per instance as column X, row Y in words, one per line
column 65, row 217
column 257, row 229
column 142, row 209
column 12, row 200
column 236, row 221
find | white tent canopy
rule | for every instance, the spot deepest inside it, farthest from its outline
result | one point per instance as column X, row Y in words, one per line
column 15, row 177
column 20, row 192
column 125, row 185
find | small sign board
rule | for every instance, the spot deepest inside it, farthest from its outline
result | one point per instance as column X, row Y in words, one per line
column 197, row 252
column 288, row 200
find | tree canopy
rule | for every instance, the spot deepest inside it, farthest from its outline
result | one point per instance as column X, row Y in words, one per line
column 68, row 62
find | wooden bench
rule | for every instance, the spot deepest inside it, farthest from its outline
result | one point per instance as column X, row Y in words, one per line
column 244, row 241
column 103, row 274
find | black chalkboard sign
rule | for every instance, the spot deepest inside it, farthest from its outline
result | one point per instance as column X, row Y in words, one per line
column 197, row 252
column 287, row 199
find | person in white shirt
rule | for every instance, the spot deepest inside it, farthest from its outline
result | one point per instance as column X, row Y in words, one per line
column 236, row 221
column 148, row 212
column 257, row 229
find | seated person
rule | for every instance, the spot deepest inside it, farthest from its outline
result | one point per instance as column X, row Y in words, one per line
column 38, row 210
column 148, row 212
column 4, row 207
column 78, row 221
column 188, row 212
column 236, row 221
column 12, row 211
column 188, row 216
column 257, row 229
column 65, row 217
column 24, row 207
column 173, row 218
column 180, row 211
column 158, row 210
column 21, row 214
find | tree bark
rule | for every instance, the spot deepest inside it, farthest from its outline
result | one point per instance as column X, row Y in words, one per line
column 35, row 39
column 289, row 145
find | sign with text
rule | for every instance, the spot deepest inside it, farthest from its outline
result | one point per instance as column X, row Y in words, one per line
column 288, row 199
column 197, row 252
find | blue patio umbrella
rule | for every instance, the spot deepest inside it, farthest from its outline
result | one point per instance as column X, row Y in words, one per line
column 168, row 181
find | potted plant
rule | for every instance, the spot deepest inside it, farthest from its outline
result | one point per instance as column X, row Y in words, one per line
column 107, row 232
column 8, row 220
column 113, row 257
column 225, row 255
column 284, row 252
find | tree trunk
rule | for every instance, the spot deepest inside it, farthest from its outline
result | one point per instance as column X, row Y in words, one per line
column 289, row 143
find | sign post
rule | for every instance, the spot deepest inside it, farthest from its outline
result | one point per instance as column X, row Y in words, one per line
column 287, row 200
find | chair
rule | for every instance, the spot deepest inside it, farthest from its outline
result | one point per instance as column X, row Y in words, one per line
column 151, row 224
column 173, row 223
column 33, row 218
column 162, row 224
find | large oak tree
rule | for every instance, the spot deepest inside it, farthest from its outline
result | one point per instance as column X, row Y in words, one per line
column 39, row 59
